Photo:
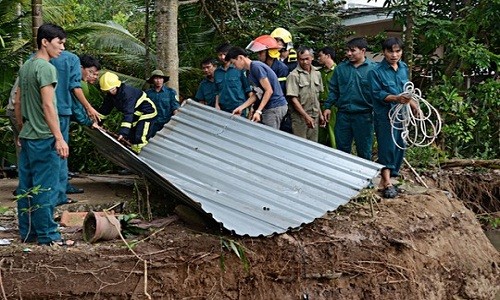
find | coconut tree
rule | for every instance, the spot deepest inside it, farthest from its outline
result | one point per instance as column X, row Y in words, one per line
column 37, row 20
column 167, row 13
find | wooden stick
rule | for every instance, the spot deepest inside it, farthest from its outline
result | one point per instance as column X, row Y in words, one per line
column 416, row 174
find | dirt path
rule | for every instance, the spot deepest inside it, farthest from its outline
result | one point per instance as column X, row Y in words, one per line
column 99, row 189
column 418, row 246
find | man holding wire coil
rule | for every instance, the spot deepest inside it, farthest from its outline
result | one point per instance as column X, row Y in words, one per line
column 387, row 82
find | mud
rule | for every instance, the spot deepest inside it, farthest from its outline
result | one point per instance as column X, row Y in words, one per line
column 421, row 245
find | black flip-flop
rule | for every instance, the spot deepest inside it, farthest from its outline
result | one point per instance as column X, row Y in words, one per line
column 74, row 190
column 390, row 192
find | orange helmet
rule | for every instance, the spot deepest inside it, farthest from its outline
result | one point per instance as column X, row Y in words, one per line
column 265, row 42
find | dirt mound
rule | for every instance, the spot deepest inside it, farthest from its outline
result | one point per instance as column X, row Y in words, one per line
column 423, row 246
column 478, row 189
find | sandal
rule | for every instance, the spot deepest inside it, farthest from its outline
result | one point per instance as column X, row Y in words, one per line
column 68, row 201
column 71, row 201
column 390, row 192
column 59, row 243
column 74, row 190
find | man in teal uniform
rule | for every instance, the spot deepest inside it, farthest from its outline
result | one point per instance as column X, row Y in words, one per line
column 349, row 92
column 42, row 143
column 326, row 58
column 207, row 90
column 69, row 76
column 164, row 98
column 387, row 80
column 233, row 88
column 90, row 67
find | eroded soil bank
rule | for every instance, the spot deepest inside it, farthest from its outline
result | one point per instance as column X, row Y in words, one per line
column 420, row 246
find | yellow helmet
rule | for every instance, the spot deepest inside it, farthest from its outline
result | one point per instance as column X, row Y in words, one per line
column 108, row 81
column 283, row 34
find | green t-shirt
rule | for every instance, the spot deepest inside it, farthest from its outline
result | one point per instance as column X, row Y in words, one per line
column 33, row 75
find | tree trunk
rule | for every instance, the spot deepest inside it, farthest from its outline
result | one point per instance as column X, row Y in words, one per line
column 37, row 20
column 146, row 40
column 166, row 44
column 409, row 42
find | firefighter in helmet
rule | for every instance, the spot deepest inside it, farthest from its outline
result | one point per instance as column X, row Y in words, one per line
column 137, row 109
column 288, row 55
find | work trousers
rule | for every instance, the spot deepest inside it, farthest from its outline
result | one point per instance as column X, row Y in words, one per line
column 326, row 135
column 299, row 127
column 140, row 133
column 38, row 184
column 389, row 154
column 64, row 122
column 357, row 128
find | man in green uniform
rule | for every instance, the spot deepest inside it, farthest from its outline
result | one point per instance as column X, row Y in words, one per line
column 387, row 82
column 349, row 92
column 326, row 58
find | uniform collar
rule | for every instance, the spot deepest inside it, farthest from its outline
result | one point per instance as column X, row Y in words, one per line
column 231, row 66
column 328, row 70
column 163, row 89
column 363, row 64
column 299, row 68
column 388, row 66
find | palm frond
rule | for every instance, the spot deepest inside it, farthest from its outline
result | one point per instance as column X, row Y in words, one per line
column 56, row 11
column 130, row 80
column 315, row 23
column 111, row 36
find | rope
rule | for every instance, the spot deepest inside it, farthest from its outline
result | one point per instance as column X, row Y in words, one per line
column 418, row 128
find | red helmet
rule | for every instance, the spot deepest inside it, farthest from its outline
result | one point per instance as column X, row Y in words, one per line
column 263, row 42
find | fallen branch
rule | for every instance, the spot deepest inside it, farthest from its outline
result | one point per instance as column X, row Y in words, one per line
column 490, row 164
column 416, row 174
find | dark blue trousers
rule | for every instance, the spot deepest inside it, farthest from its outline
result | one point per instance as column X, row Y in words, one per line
column 357, row 128
column 388, row 153
column 38, row 182
column 64, row 122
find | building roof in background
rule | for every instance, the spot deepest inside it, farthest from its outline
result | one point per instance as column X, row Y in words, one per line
column 251, row 178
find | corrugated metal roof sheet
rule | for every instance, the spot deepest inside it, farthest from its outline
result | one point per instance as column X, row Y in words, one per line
column 253, row 179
